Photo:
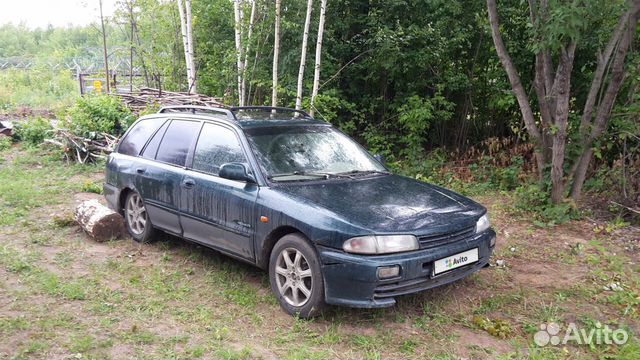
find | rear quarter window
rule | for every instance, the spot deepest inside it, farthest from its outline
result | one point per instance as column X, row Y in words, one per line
column 135, row 139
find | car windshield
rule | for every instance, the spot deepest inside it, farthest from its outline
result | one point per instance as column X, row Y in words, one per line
column 295, row 153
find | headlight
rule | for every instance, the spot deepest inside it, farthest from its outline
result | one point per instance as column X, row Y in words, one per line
column 382, row 244
column 483, row 223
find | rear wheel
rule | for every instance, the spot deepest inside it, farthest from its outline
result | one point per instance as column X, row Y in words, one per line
column 137, row 219
column 296, row 276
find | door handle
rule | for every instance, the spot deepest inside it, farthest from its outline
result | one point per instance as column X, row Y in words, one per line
column 188, row 183
column 140, row 170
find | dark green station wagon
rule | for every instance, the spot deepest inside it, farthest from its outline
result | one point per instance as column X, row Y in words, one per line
column 288, row 193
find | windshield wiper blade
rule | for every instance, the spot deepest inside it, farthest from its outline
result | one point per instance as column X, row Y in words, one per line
column 360, row 172
column 302, row 173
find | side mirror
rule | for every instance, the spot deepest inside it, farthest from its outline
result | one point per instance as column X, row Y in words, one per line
column 379, row 157
column 235, row 171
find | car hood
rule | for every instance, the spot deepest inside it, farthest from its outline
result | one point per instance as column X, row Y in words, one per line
column 389, row 204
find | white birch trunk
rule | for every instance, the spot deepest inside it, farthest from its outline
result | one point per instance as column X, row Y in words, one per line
column 100, row 222
column 316, row 73
column 276, row 51
column 236, row 12
column 193, row 88
column 246, row 51
column 185, row 41
column 303, row 56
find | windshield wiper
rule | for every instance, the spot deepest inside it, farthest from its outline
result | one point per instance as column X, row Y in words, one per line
column 356, row 172
column 302, row 173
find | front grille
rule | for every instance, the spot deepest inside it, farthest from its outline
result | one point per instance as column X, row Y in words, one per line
column 431, row 241
column 400, row 288
column 405, row 287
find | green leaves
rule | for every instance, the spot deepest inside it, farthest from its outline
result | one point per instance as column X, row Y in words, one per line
column 98, row 113
column 415, row 117
column 32, row 131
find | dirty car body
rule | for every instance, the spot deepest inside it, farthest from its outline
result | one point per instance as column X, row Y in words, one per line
column 373, row 234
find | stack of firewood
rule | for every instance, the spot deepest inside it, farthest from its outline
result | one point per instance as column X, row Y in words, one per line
column 146, row 97
column 83, row 149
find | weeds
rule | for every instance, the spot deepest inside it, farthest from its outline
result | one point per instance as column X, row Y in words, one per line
column 33, row 131
column 91, row 187
column 5, row 143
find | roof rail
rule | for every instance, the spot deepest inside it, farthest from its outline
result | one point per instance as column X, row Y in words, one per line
column 198, row 109
column 230, row 113
column 274, row 109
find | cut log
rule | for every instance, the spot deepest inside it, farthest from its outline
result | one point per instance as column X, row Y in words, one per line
column 100, row 222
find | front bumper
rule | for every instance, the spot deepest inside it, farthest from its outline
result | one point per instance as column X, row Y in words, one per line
column 352, row 280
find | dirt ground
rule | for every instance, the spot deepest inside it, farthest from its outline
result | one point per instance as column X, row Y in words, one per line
column 63, row 295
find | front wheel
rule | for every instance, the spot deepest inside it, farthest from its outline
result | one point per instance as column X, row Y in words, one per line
column 296, row 276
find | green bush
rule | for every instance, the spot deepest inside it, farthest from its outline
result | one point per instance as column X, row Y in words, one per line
column 98, row 113
column 32, row 131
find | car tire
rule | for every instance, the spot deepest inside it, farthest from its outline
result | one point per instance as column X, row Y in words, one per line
column 297, row 283
column 137, row 219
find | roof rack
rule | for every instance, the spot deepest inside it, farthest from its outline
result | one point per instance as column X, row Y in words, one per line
column 195, row 109
column 272, row 109
column 231, row 112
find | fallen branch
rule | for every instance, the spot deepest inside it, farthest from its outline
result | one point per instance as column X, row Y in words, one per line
column 624, row 206
column 82, row 149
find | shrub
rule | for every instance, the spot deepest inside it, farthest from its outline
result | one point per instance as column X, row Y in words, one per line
column 534, row 199
column 32, row 131
column 98, row 113
column 91, row 187
column 5, row 143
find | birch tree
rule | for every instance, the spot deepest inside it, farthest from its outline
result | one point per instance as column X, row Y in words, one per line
column 316, row 72
column 239, row 58
column 192, row 62
column 184, row 9
column 276, row 50
column 552, row 85
column 303, row 56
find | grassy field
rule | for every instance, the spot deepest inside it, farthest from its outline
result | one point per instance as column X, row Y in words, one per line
column 63, row 295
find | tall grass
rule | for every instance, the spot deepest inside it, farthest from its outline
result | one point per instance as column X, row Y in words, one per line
column 36, row 88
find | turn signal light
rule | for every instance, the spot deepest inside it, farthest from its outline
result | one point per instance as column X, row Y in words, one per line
column 388, row 272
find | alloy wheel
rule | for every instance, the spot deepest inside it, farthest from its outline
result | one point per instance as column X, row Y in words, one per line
column 293, row 277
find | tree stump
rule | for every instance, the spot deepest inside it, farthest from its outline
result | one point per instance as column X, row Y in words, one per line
column 100, row 222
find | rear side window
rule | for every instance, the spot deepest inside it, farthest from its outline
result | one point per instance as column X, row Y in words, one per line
column 176, row 141
column 217, row 145
column 150, row 151
column 138, row 136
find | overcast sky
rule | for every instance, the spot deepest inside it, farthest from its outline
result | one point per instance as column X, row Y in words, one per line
column 40, row 13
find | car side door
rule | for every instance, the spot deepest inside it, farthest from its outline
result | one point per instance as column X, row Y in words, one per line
column 161, row 169
column 215, row 211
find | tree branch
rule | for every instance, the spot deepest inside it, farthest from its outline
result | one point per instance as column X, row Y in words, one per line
column 603, row 60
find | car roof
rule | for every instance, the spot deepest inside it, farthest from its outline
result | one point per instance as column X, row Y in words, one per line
column 245, row 117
